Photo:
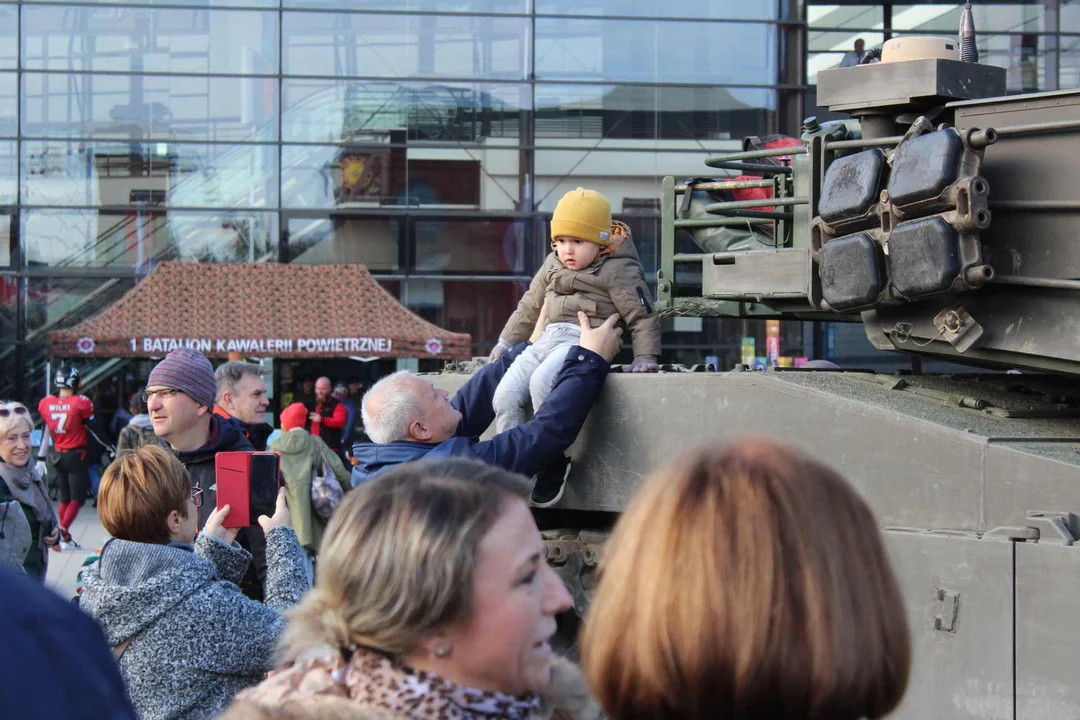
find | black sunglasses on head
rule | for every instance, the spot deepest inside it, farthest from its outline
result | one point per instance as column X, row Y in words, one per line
column 17, row 410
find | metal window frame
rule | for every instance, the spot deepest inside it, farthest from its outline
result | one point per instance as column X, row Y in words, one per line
column 530, row 14
column 528, row 144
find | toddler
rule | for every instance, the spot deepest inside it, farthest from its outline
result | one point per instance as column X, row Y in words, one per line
column 594, row 268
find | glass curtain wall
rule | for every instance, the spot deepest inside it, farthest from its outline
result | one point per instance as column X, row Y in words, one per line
column 1037, row 42
column 428, row 139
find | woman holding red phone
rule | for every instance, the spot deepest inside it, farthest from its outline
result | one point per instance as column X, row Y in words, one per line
column 185, row 637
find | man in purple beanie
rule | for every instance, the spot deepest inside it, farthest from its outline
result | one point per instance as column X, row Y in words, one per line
column 180, row 399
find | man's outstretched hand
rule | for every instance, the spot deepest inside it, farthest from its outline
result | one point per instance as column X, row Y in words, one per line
column 605, row 340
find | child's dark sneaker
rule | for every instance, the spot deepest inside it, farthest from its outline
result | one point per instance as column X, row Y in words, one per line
column 551, row 483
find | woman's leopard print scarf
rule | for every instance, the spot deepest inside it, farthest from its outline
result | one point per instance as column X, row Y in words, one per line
column 372, row 681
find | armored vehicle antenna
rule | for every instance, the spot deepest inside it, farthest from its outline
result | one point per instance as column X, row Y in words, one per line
column 969, row 49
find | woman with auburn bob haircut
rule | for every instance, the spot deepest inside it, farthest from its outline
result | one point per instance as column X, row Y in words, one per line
column 185, row 637
column 748, row 582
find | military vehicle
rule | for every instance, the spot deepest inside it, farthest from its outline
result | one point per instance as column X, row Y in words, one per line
column 944, row 217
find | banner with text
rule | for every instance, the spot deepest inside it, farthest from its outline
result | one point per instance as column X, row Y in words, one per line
column 435, row 348
column 265, row 346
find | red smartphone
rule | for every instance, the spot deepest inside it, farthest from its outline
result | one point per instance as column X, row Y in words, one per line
column 248, row 483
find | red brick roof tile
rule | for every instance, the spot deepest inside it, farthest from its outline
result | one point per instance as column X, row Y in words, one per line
column 265, row 310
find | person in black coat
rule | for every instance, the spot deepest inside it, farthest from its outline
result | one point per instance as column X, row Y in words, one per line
column 352, row 413
column 55, row 663
column 241, row 395
column 180, row 398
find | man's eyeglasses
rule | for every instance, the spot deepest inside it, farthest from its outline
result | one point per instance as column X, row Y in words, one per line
column 196, row 497
column 164, row 394
column 13, row 410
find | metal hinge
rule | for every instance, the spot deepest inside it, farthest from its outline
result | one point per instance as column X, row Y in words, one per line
column 1066, row 527
column 947, row 607
column 1063, row 523
column 1014, row 533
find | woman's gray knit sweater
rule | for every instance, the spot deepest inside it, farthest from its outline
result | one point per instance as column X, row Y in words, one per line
column 197, row 641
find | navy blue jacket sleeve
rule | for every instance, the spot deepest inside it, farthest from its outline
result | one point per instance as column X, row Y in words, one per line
column 474, row 399
column 350, row 424
column 55, row 663
column 532, row 446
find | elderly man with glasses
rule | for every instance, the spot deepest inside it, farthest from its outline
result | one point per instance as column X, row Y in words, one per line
column 180, row 397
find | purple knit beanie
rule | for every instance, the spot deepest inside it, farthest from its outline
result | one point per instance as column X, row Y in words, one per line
column 189, row 372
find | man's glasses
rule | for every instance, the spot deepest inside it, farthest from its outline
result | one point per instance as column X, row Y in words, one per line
column 164, row 394
column 196, row 497
column 13, row 410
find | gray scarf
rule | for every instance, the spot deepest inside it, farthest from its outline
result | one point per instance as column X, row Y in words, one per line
column 27, row 487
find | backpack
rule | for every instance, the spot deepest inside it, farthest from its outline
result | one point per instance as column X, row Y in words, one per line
column 326, row 492
column 133, row 437
column 735, row 238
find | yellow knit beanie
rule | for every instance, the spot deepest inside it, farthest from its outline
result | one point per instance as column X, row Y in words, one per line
column 584, row 214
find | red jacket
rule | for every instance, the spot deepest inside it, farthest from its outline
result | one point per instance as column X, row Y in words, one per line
column 778, row 141
column 66, row 419
column 333, row 415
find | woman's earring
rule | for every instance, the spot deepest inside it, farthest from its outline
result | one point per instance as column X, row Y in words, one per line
column 444, row 650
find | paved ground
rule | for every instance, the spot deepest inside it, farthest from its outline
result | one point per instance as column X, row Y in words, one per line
column 64, row 566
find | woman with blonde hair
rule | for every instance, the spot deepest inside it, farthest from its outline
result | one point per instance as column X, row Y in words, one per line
column 750, row 582
column 28, row 523
column 432, row 602
column 185, row 636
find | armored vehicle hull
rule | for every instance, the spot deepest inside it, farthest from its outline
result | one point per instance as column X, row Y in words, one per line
column 973, row 478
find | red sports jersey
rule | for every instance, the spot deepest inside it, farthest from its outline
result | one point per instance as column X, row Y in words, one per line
column 66, row 418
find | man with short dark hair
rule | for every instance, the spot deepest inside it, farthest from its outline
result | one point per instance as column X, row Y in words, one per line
column 854, row 58
column 356, row 390
column 241, row 395
column 306, row 393
column 348, row 433
column 139, row 430
column 180, row 399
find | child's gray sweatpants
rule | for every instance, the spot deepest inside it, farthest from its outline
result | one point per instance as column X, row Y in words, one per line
column 532, row 375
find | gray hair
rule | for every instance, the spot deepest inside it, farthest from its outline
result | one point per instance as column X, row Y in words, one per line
column 398, row 559
column 398, row 405
column 230, row 373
